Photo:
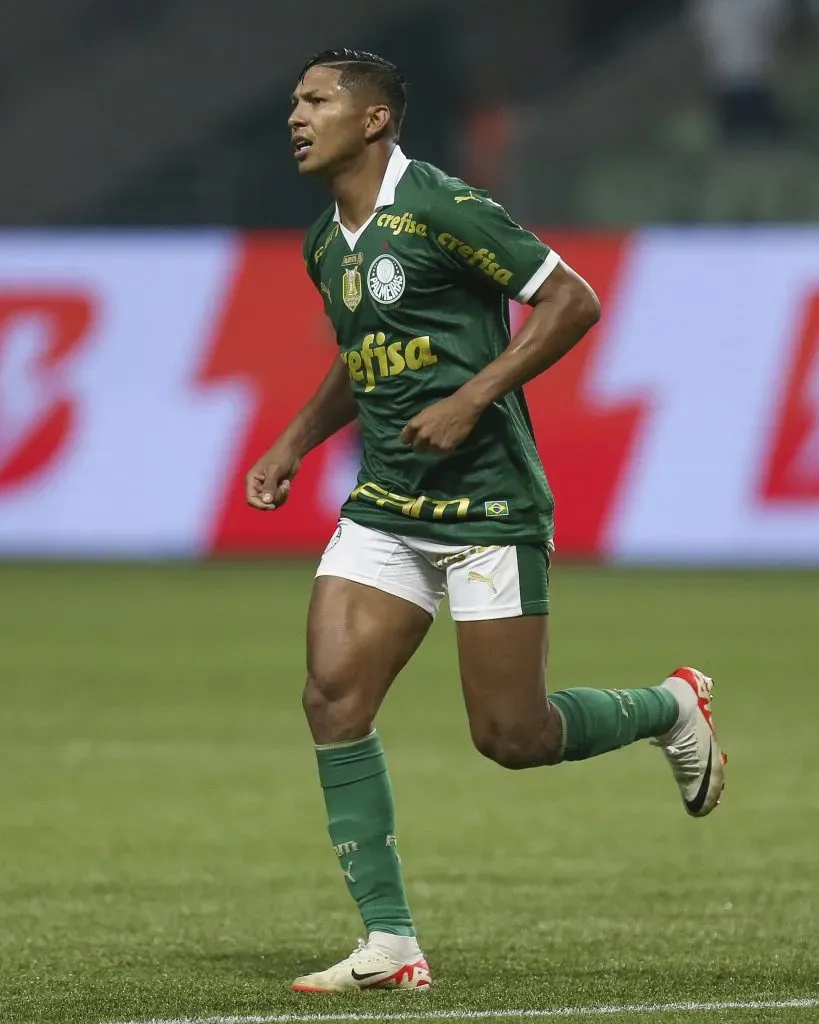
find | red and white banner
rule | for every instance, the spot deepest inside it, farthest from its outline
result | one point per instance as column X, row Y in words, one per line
column 141, row 374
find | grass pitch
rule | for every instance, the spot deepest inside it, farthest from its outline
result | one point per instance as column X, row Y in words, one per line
column 163, row 851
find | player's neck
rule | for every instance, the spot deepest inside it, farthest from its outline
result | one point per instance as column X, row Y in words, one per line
column 356, row 188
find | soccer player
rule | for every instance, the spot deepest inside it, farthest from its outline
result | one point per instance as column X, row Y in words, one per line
column 416, row 270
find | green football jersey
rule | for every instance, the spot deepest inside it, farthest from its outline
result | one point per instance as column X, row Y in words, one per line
column 418, row 298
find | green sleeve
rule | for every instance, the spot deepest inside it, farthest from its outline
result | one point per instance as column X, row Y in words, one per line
column 475, row 236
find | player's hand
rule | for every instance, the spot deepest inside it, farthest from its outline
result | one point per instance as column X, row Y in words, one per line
column 441, row 427
column 268, row 481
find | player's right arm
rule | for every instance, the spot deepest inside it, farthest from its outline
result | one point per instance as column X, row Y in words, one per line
column 331, row 408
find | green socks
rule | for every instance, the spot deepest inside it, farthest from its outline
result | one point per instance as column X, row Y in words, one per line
column 359, row 801
column 361, row 817
column 597, row 721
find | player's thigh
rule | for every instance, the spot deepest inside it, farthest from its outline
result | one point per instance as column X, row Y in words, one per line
column 372, row 604
column 503, row 674
column 499, row 599
column 359, row 638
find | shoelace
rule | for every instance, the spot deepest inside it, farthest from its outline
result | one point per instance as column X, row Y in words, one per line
column 362, row 948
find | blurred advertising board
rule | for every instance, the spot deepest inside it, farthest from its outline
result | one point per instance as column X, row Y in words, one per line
column 142, row 373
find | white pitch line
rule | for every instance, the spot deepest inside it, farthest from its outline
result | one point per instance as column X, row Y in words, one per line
column 561, row 1011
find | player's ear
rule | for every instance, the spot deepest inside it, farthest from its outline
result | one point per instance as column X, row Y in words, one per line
column 377, row 120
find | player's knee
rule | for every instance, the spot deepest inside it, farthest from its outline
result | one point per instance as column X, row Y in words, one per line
column 335, row 710
column 516, row 757
column 516, row 749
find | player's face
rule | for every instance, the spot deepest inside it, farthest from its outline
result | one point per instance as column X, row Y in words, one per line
column 327, row 124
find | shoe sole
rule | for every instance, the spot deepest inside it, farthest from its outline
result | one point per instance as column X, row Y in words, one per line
column 362, row 988
column 713, row 783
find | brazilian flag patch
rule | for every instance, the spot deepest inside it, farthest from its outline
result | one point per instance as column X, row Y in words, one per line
column 496, row 508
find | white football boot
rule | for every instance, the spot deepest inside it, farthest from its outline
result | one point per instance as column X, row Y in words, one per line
column 691, row 747
column 369, row 966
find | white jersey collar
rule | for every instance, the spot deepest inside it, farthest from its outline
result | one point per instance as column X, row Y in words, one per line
column 396, row 166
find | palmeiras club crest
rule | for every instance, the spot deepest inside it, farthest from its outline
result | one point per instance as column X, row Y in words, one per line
column 386, row 280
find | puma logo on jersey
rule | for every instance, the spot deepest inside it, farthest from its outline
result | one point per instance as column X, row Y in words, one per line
column 325, row 288
column 476, row 577
column 471, row 195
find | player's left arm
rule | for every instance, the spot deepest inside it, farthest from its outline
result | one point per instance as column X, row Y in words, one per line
column 523, row 268
column 565, row 308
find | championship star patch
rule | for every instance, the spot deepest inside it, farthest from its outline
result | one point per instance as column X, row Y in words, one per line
column 496, row 508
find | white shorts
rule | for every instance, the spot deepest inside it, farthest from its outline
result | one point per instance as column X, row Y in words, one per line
column 483, row 582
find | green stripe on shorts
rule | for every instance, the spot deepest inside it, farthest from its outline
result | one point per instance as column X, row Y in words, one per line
column 533, row 574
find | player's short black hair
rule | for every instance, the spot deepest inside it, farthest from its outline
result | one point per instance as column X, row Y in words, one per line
column 362, row 69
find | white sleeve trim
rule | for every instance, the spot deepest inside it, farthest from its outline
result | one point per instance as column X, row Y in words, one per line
column 539, row 276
